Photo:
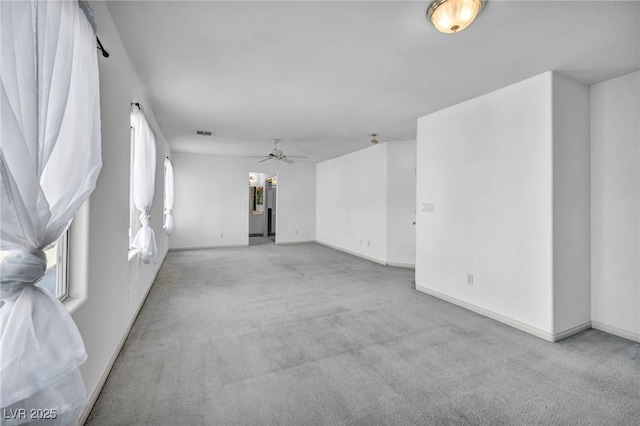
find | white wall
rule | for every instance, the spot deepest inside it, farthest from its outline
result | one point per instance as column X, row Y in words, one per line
column 296, row 205
column 351, row 203
column 211, row 198
column 615, row 211
column 211, row 207
column 571, row 205
column 366, row 203
column 110, row 286
column 486, row 166
column 401, row 203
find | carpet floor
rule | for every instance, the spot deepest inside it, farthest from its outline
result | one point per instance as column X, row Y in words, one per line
column 306, row 335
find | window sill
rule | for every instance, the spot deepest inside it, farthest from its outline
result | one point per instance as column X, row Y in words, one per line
column 133, row 254
column 71, row 304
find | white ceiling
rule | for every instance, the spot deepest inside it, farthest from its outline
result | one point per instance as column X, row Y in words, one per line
column 322, row 76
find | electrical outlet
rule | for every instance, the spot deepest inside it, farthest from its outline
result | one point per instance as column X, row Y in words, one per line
column 222, row 235
column 470, row 279
column 428, row 207
column 296, row 232
column 368, row 243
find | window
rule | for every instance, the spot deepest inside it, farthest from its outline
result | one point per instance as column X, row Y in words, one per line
column 55, row 278
column 143, row 179
column 134, row 222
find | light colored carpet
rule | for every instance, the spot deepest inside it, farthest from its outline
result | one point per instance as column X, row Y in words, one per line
column 306, row 335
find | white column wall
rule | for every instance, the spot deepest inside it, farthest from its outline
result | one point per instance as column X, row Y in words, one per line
column 485, row 164
column 571, row 206
column 401, row 203
column 615, row 206
column 296, row 218
column 352, row 203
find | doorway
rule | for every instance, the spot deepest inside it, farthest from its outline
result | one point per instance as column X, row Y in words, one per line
column 271, row 191
column 263, row 198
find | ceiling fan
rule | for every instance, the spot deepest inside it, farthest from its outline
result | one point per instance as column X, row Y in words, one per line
column 276, row 154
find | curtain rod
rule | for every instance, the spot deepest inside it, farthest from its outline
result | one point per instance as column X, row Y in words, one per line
column 104, row 52
column 143, row 114
column 88, row 13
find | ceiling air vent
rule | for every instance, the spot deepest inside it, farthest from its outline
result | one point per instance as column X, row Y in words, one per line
column 204, row 133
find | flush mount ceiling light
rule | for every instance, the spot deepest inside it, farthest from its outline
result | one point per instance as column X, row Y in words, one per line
column 451, row 16
column 373, row 138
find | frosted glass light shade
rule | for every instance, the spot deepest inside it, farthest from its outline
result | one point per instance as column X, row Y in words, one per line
column 451, row 16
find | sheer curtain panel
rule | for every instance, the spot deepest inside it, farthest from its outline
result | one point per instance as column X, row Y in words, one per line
column 49, row 163
column 144, row 184
column 168, row 197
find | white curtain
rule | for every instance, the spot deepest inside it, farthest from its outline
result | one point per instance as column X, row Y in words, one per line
column 144, row 184
column 49, row 163
column 168, row 197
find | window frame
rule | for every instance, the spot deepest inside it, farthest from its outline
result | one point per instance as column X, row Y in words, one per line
column 62, row 267
column 61, row 288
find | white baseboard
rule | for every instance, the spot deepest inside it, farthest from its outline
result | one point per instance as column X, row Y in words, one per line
column 549, row 337
column 364, row 256
column 402, row 265
column 487, row 313
column 105, row 375
column 353, row 253
column 282, row 243
column 625, row 334
column 206, row 247
column 571, row 331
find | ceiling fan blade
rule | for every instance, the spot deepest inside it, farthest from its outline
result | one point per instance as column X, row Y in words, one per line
column 279, row 155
